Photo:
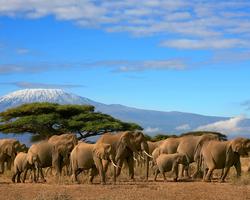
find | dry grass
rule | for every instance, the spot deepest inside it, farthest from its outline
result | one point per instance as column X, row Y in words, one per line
column 64, row 189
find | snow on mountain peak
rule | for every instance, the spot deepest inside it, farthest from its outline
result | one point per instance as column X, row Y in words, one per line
column 42, row 95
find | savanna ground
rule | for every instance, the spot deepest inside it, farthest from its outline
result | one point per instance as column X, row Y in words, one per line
column 64, row 189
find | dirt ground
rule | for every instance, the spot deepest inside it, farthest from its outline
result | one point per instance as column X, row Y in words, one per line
column 64, row 189
column 125, row 190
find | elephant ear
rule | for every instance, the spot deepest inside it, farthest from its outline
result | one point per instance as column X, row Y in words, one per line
column 102, row 151
column 32, row 158
column 7, row 149
column 156, row 153
column 237, row 144
column 247, row 145
column 203, row 139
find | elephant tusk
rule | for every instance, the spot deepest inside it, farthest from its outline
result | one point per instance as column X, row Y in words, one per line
column 147, row 154
column 134, row 158
column 114, row 164
column 142, row 157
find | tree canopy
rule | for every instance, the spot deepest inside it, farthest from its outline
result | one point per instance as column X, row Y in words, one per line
column 43, row 120
column 198, row 133
column 159, row 137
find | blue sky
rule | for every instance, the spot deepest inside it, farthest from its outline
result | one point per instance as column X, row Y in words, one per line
column 164, row 55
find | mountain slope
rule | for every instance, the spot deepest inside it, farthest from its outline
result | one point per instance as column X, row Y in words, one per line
column 152, row 121
column 42, row 95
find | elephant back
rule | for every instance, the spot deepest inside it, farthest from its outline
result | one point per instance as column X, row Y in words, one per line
column 43, row 151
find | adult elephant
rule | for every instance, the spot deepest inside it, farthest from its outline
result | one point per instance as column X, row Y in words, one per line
column 223, row 155
column 8, row 150
column 89, row 157
column 124, row 144
column 191, row 146
column 42, row 155
column 62, row 146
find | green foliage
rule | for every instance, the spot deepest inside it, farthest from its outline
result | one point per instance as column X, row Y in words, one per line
column 46, row 119
column 159, row 137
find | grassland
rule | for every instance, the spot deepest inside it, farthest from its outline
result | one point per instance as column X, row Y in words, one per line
column 64, row 189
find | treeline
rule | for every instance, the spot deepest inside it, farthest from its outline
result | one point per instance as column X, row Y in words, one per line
column 163, row 136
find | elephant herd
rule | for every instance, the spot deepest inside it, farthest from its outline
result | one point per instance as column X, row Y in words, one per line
column 206, row 151
column 172, row 154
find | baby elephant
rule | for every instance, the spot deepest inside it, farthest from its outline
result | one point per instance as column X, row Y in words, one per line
column 20, row 165
column 169, row 162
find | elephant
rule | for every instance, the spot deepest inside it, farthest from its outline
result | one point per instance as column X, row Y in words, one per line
column 153, row 145
column 169, row 162
column 21, row 165
column 167, row 146
column 8, row 150
column 40, row 155
column 62, row 144
column 223, row 155
column 89, row 157
column 191, row 146
column 124, row 144
column 43, row 153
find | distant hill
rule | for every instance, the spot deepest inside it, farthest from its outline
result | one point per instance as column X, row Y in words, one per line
column 152, row 121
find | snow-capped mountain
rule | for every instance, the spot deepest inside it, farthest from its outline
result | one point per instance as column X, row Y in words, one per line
column 152, row 121
column 41, row 95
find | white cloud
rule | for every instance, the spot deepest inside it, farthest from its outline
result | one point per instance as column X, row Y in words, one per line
column 183, row 127
column 186, row 24
column 151, row 130
column 205, row 44
column 139, row 65
column 25, row 84
column 231, row 126
column 22, row 51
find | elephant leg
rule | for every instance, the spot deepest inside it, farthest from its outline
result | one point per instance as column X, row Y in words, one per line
column 93, row 172
column 205, row 173
column 238, row 168
column 35, row 177
column 14, row 177
column 19, row 177
column 2, row 167
column 175, row 171
column 222, row 172
column 186, row 171
column 24, row 175
column 9, row 163
column 99, row 166
column 131, row 167
column 75, row 174
column 164, row 176
column 181, row 171
column 157, row 171
column 208, row 176
column 225, row 174
column 41, row 173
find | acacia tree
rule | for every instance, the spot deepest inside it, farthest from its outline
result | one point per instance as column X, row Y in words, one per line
column 43, row 120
